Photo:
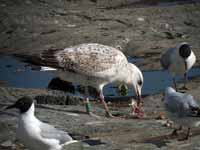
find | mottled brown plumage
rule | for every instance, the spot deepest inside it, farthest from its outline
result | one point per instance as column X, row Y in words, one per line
column 94, row 65
column 86, row 59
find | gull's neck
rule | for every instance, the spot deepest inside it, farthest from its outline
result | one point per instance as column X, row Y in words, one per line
column 123, row 75
column 30, row 113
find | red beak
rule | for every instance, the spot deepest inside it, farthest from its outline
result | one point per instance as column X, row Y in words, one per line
column 139, row 98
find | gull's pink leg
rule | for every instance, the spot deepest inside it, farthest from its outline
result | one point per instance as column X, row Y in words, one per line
column 108, row 114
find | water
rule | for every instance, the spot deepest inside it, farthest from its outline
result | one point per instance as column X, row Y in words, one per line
column 18, row 74
column 159, row 3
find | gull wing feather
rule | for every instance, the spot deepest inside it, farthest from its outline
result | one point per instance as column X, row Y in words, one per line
column 50, row 132
column 182, row 104
column 166, row 58
column 87, row 59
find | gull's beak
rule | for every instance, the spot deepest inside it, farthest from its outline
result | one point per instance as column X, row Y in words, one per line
column 10, row 107
column 138, row 96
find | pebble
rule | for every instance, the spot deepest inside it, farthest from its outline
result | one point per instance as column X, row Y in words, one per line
column 140, row 19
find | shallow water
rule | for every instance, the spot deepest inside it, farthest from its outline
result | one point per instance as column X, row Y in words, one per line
column 160, row 3
column 19, row 74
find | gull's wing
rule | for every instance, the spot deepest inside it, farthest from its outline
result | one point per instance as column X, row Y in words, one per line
column 182, row 104
column 50, row 132
column 166, row 58
column 87, row 59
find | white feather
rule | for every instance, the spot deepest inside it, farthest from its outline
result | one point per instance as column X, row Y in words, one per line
column 44, row 68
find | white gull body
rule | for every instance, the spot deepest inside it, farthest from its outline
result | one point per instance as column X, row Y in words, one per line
column 176, row 64
column 182, row 109
column 93, row 65
column 37, row 135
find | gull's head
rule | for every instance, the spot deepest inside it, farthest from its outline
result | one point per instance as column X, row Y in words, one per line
column 169, row 90
column 184, row 50
column 23, row 104
column 136, row 80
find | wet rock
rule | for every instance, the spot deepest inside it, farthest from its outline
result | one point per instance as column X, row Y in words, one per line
column 169, row 35
column 57, row 100
column 103, row 133
column 42, row 96
column 58, row 84
column 65, row 23
column 59, row 26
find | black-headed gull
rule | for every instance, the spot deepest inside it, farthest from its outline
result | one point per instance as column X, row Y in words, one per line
column 36, row 134
column 181, row 109
column 178, row 60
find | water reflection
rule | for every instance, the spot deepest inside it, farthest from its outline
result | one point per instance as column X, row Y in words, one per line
column 18, row 74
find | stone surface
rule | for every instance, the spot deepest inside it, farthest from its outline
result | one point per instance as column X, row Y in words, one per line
column 31, row 26
column 105, row 133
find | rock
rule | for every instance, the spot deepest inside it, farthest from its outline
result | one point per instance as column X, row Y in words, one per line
column 58, row 84
column 141, row 32
column 161, row 116
column 7, row 144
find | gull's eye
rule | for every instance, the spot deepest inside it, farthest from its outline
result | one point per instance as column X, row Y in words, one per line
column 140, row 82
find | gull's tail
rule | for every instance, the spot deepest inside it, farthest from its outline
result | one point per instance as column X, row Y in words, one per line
column 46, row 60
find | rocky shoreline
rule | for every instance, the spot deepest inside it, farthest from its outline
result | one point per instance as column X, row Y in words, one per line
column 31, row 26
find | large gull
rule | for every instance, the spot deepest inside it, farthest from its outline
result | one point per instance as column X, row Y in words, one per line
column 181, row 109
column 93, row 65
column 36, row 134
column 178, row 61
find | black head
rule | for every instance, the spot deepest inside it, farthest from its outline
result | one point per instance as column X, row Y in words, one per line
column 185, row 51
column 23, row 104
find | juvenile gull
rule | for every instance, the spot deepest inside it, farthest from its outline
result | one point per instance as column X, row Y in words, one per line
column 36, row 134
column 93, row 65
column 178, row 61
column 181, row 109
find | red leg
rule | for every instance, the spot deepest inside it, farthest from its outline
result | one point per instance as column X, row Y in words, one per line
column 108, row 114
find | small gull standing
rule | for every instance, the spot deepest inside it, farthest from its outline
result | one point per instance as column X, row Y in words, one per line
column 93, row 65
column 178, row 61
column 36, row 134
column 181, row 109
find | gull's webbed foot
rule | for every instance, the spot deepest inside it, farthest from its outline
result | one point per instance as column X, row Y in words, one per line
column 109, row 115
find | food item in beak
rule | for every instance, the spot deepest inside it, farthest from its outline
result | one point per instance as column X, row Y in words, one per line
column 136, row 110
